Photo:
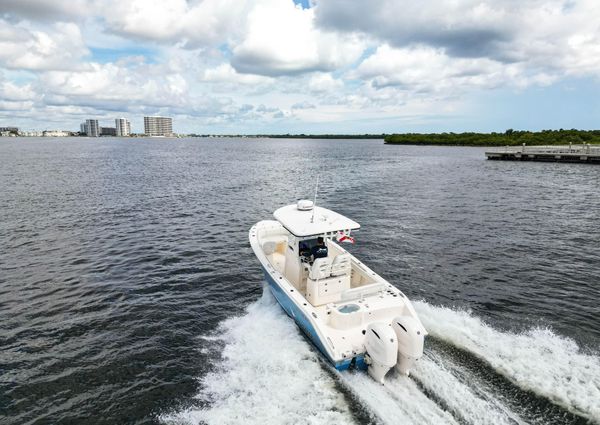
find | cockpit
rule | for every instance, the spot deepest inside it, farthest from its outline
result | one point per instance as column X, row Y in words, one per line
column 301, row 246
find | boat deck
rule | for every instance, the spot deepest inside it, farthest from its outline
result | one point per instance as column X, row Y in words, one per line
column 332, row 301
column 344, row 321
column 346, row 334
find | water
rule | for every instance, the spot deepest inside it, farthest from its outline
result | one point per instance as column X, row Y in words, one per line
column 129, row 294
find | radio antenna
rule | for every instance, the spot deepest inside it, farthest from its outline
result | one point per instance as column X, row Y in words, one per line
column 312, row 219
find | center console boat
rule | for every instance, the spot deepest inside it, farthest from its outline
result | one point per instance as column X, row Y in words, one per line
column 352, row 315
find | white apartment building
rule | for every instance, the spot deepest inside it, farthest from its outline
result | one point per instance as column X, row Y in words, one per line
column 92, row 129
column 158, row 126
column 123, row 127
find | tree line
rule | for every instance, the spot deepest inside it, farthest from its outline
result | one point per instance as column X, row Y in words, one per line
column 509, row 138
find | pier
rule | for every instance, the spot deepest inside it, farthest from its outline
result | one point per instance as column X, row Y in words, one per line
column 564, row 153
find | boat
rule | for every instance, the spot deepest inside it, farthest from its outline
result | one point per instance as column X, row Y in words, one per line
column 355, row 318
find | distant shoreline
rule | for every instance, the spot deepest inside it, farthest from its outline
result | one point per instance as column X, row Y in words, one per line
column 217, row 136
column 299, row 136
column 508, row 138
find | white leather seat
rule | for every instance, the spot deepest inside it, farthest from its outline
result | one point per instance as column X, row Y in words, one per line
column 321, row 269
column 341, row 265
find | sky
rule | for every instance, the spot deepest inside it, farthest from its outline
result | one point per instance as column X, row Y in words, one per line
column 309, row 66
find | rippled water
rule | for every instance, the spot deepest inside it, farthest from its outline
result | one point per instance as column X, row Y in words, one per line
column 129, row 293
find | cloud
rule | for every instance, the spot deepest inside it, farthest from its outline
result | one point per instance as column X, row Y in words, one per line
column 45, row 9
column 191, row 24
column 469, row 28
column 15, row 106
column 280, row 39
column 225, row 73
column 152, row 85
column 13, row 92
column 403, row 68
column 303, row 105
column 61, row 47
column 546, row 36
column 248, row 62
column 107, row 90
column 324, row 82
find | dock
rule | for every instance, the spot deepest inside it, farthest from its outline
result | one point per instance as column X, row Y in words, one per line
column 558, row 153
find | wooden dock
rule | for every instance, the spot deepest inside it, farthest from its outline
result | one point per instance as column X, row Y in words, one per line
column 565, row 153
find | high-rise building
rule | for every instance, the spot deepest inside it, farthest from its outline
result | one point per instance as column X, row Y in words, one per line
column 158, row 126
column 92, row 129
column 123, row 127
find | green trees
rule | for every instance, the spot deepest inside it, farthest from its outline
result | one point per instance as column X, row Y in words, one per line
column 509, row 138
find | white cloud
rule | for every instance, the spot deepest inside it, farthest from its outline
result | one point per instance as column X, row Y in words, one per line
column 220, row 60
column 281, row 38
column 13, row 92
column 61, row 47
column 193, row 23
column 546, row 37
column 225, row 73
column 303, row 105
column 15, row 106
column 104, row 83
column 322, row 82
column 427, row 69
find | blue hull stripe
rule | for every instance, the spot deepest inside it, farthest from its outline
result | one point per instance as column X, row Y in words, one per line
column 304, row 323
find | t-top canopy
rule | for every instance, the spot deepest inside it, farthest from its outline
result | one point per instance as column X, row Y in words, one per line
column 296, row 219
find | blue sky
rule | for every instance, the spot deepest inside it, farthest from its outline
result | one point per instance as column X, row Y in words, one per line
column 302, row 66
column 107, row 54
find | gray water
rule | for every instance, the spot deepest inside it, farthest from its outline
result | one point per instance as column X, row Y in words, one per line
column 129, row 293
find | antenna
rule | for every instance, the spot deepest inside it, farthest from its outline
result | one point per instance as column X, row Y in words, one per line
column 312, row 219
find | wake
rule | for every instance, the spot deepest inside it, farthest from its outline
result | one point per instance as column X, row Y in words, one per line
column 536, row 360
column 266, row 372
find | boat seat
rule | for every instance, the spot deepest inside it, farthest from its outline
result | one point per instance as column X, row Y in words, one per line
column 341, row 265
column 321, row 269
column 269, row 247
column 325, row 291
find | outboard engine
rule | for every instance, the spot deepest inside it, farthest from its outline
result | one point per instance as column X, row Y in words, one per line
column 410, row 335
column 382, row 347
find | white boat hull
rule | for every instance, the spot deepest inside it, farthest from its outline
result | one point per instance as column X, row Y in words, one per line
column 336, row 318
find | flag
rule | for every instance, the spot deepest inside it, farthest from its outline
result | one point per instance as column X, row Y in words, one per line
column 342, row 237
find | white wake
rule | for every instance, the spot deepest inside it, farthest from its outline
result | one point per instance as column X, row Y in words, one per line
column 460, row 394
column 537, row 360
column 267, row 374
column 398, row 401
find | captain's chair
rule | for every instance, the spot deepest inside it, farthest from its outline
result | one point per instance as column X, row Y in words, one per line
column 341, row 265
column 321, row 269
